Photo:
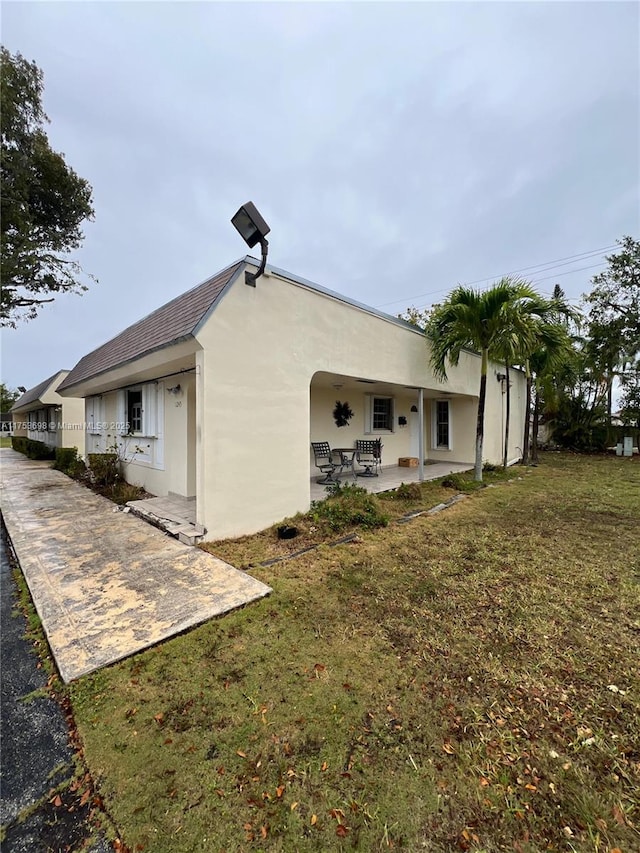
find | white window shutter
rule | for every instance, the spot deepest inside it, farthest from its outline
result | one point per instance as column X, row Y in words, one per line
column 149, row 406
column 122, row 413
column 159, row 409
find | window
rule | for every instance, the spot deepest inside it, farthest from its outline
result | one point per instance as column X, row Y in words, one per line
column 380, row 416
column 134, row 410
column 441, row 425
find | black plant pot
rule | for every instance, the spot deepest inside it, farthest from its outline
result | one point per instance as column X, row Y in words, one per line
column 286, row 532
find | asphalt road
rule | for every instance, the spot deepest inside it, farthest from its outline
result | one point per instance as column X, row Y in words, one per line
column 35, row 753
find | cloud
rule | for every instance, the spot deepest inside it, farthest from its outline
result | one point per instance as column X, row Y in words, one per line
column 394, row 148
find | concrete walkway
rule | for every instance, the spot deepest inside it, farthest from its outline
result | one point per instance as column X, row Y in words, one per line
column 106, row 584
column 36, row 757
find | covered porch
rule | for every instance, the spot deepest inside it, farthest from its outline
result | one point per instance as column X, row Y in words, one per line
column 433, row 423
column 391, row 477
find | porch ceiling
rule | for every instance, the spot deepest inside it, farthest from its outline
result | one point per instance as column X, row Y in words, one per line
column 369, row 385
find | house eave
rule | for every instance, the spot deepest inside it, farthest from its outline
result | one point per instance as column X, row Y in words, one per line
column 125, row 373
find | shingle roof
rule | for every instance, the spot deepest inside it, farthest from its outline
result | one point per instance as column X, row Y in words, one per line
column 167, row 325
column 34, row 394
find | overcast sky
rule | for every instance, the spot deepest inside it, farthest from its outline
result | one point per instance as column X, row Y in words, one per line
column 394, row 149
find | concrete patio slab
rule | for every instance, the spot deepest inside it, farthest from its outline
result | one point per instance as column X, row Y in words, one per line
column 106, row 584
column 392, row 476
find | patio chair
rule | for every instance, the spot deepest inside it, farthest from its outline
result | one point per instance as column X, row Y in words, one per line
column 369, row 456
column 324, row 461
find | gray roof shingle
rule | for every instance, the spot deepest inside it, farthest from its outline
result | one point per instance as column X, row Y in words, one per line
column 167, row 325
column 34, row 394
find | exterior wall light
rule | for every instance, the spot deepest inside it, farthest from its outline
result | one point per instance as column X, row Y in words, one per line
column 253, row 229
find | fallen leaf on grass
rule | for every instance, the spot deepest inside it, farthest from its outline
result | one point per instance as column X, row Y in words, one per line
column 57, row 801
column 314, row 819
column 619, row 816
column 448, row 749
column 241, row 753
column 342, row 830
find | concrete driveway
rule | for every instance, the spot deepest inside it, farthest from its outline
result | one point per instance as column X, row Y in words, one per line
column 106, row 584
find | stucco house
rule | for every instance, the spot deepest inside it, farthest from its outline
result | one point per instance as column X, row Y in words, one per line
column 43, row 415
column 217, row 395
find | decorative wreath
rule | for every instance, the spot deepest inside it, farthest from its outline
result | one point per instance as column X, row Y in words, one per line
column 342, row 414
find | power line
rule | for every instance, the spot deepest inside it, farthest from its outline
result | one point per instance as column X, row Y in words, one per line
column 568, row 259
column 535, row 281
column 568, row 272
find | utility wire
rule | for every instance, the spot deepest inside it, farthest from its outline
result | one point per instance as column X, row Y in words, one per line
column 535, row 281
column 568, row 259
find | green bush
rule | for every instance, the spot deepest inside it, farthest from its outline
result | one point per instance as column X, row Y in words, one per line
column 123, row 492
column 38, row 450
column 66, row 457
column 105, row 468
column 578, row 426
column 19, row 443
column 408, row 492
column 68, row 461
column 349, row 506
column 458, row 482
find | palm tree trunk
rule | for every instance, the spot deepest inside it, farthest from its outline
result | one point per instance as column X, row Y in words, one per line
column 527, row 416
column 480, row 422
column 505, row 460
column 536, row 425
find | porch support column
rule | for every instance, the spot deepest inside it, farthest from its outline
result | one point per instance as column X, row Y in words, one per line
column 420, row 435
column 201, row 437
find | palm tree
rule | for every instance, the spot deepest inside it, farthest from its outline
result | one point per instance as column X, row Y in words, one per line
column 477, row 320
column 510, row 347
column 549, row 321
column 554, row 349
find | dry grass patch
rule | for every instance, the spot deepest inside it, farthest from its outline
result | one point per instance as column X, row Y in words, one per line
column 467, row 681
column 341, row 514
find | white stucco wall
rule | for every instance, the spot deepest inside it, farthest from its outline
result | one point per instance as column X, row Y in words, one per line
column 260, row 349
column 160, row 458
column 64, row 414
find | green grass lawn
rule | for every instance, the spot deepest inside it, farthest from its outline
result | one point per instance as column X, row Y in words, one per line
column 5, row 441
column 466, row 681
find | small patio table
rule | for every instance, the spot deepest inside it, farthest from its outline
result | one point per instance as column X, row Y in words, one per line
column 347, row 458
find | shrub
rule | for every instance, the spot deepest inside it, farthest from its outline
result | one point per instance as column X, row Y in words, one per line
column 19, row 443
column 39, row 450
column 68, row 461
column 105, row 468
column 408, row 492
column 349, row 506
column 66, row 457
column 458, row 482
column 123, row 492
